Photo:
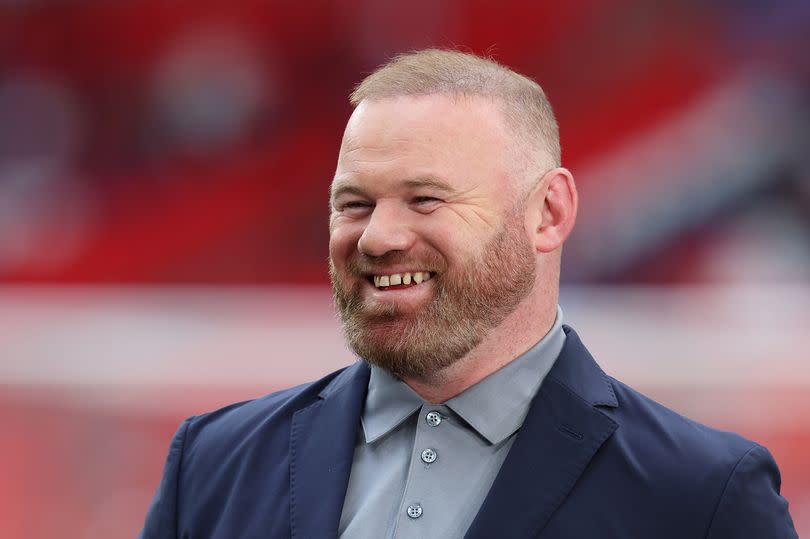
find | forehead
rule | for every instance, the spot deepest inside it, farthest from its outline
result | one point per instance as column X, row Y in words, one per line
column 462, row 140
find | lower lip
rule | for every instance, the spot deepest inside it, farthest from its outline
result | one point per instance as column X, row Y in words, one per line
column 401, row 293
column 396, row 287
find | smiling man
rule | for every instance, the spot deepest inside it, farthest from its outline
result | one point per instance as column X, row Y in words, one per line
column 474, row 412
column 432, row 250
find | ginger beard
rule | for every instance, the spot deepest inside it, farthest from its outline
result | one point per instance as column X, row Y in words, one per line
column 467, row 303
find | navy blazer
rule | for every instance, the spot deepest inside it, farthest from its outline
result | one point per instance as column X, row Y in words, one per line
column 593, row 459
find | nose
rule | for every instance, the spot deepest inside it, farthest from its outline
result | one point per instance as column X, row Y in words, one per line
column 386, row 231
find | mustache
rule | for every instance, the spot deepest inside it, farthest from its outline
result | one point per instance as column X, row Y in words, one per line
column 361, row 264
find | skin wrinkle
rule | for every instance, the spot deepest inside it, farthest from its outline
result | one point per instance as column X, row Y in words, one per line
column 455, row 198
column 340, row 186
column 390, row 160
column 488, row 222
column 448, row 205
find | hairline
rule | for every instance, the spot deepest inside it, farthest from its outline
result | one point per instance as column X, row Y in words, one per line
column 521, row 101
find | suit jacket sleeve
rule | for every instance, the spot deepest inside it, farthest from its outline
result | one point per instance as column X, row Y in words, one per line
column 161, row 519
column 750, row 505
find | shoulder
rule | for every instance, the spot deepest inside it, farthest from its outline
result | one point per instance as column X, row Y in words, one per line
column 645, row 429
column 258, row 419
column 719, row 477
column 681, row 475
column 661, row 430
column 236, row 455
column 693, row 459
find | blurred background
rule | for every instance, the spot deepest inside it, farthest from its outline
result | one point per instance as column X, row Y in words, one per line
column 164, row 169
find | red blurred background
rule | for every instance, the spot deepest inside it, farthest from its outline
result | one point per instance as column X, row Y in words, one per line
column 164, row 169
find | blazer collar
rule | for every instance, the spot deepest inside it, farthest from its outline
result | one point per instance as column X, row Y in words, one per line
column 562, row 432
column 578, row 371
column 322, row 439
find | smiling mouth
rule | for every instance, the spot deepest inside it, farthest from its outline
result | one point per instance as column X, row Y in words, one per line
column 399, row 280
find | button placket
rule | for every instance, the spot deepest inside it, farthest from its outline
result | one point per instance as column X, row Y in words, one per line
column 416, row 498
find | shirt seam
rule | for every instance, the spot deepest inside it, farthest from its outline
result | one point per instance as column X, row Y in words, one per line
column 725, row 488
column 181, row 452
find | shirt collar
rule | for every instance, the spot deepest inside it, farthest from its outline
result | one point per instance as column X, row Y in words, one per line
column 495, row 407
column 389, row 402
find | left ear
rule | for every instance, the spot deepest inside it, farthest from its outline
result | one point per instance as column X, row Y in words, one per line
column 551, row 210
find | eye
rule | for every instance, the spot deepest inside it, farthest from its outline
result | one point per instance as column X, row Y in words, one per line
column 425, row 201
column 353, row 206
column 356, row 204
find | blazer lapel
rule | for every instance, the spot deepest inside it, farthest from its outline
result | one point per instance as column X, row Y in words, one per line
column 322, row 440
column 560, row 435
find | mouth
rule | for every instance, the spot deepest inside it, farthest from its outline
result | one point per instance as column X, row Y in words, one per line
column 397, row 281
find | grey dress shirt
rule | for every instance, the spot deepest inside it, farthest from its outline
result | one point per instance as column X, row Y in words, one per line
column 423, row 470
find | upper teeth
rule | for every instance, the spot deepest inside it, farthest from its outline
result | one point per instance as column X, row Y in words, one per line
column 401, row 278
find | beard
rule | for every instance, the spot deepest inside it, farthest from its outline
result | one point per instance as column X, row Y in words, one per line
column 467, row 304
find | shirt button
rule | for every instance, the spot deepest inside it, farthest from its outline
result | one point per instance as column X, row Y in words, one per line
column 429, row 455
column 433, row 419
column 414, row 510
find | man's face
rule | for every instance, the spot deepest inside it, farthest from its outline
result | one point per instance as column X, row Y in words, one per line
column 428, row 250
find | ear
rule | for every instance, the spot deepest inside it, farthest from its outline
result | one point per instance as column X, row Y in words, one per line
column 551, row 210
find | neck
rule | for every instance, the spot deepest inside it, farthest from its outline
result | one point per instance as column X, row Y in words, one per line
column 521, row 330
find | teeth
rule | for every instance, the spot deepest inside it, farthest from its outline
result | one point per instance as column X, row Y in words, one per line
column 415, row 277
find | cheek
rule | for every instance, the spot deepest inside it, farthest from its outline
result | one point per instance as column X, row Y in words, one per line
column 342, row 242
column 456, row 243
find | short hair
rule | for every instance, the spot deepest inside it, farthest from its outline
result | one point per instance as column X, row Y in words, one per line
column 524, row 104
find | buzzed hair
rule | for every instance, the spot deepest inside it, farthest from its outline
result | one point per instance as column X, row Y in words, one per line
column 437, row 71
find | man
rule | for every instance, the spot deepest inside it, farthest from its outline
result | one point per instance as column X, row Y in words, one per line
column 475, row 412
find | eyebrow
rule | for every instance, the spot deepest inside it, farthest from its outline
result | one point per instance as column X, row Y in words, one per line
column 344, row 189
column 426, row 181
column 431, row 182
